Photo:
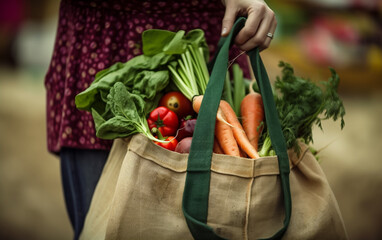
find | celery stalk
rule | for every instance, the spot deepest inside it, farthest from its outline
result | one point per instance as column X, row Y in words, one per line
column 239, row 88
column 227, row 93
column 191, row 75
column 181, row 84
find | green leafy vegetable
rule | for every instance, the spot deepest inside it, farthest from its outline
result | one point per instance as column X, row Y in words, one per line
column 189, row 70
column 141, row 79
column 137, row 74
column 121, row 96
column 190, row 74
column 128, row 111
column 302, row 104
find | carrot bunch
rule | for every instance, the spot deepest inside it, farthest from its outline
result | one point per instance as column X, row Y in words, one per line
column 232, row 137
column 300, row 104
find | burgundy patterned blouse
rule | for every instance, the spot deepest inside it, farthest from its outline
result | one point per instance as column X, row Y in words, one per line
column 91, row 36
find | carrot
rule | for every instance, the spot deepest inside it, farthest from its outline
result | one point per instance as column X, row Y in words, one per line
column 197, row 102
column 242, row 153
column 252, row 114
column 226, row 139
column 237, row 129
column 229, row 140
column 217, row 148
column 223, row 131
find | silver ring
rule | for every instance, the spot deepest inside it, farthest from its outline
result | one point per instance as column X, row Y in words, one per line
column 270, row 35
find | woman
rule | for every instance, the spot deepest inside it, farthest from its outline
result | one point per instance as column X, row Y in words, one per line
column 93, row 35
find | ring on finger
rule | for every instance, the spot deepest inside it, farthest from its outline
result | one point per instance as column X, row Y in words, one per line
column 270, row 35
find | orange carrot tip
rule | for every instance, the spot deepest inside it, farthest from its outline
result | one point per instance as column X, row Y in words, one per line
column 196, row 104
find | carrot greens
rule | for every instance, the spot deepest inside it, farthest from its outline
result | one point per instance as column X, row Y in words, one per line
column 302, row 104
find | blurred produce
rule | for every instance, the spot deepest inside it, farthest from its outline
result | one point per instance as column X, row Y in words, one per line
column 342, row 41
column 12, row 15
column 27, row 33
column 343, row 34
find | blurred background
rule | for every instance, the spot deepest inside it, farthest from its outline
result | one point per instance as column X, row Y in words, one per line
column 312, row 35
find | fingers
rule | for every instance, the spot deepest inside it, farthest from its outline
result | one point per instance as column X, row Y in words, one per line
column 260, row 20
column 260, row 38
column 229, row 19
column 268, row 39
column 255, row 16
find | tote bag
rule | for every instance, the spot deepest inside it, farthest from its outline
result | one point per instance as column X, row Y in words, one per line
column 148, row 192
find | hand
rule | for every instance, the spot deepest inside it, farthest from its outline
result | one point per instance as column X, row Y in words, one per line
column 261, row 21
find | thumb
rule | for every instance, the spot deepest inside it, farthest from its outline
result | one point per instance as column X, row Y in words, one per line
column 228, row 20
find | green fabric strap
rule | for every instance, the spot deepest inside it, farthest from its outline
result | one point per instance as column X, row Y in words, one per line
column 275, row 132
column 196, row 190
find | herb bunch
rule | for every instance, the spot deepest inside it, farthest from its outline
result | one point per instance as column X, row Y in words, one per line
column 301, row 104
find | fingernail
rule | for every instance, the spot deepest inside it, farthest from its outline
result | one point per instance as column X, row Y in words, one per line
column 224, row 31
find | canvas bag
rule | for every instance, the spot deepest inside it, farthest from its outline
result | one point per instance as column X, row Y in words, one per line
column 148, row 192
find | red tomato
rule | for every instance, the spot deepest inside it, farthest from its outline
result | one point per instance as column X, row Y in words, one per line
column 171, row 145
column 165, row 120
column 178, row 103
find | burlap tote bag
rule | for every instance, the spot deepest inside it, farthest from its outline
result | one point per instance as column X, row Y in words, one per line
column 148, row 192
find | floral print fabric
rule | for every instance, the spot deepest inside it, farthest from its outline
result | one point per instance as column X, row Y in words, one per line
column 93, row 35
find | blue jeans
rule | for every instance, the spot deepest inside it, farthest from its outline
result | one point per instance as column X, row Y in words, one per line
column 80, row 172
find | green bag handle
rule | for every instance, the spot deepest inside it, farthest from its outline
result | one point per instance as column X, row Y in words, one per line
column 196, row 190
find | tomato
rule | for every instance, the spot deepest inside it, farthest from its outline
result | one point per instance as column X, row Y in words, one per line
column 165, row 120
column 178, row 103
column 171, row 145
